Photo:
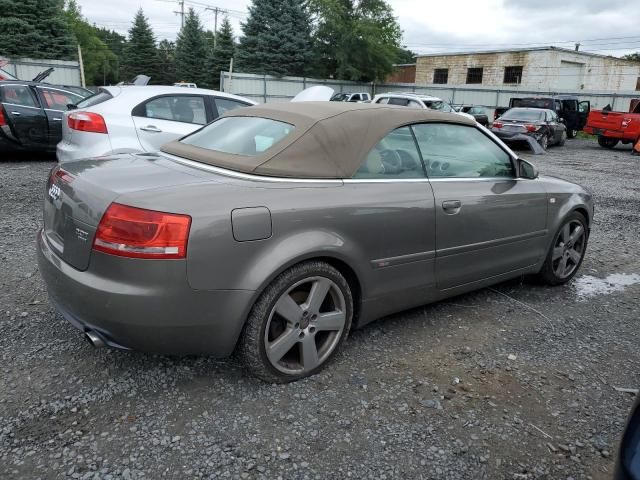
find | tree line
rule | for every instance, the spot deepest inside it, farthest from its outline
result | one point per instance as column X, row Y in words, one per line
column 343, row 39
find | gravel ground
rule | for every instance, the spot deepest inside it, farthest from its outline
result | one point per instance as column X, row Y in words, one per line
column 513, row 382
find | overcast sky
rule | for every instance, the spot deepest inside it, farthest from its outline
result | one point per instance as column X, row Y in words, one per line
column 608, row 27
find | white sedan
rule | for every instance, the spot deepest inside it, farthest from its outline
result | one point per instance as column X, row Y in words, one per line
column 136, row 119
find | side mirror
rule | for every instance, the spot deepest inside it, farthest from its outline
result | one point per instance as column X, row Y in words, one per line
column 561, row 120
column 527, row 170
column 71, row 106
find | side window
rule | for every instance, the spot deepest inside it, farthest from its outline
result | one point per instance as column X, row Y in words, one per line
column 461, row 151
column 224, row 105
column 414, row 104
column 58, row 100
column 383, row 100
column 398, row 101
column 558, row 105
column 355, row 97
column 395, row 156
column 178, row 108
column 18, row 95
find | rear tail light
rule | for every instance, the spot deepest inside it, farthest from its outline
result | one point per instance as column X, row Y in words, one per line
column 3, row 119
column 86, row 122
column 59, row 173
column 138, row 233
column 498, row 124
column 532, row 128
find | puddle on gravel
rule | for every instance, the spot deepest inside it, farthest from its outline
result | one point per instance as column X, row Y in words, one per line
column 590, row 286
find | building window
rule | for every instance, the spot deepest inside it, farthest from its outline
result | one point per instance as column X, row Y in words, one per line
column 474, row 75
column 512, row 74
column 441, row 75
column 638, row 84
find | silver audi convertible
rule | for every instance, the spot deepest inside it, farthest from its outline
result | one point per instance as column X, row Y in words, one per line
column 275, row 230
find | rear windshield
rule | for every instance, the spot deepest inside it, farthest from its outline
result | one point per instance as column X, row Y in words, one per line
column 533, row 102
column 247, row 136
column 94, row 99
column 521, row 114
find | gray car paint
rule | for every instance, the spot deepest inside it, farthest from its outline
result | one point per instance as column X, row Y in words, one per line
column 391, row 239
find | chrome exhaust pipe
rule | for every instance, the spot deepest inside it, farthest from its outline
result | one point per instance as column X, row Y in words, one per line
column 94, row 339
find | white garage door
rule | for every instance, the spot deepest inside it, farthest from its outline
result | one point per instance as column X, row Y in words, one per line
column 570, row 76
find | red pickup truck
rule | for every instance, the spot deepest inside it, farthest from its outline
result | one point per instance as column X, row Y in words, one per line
column 613, row 127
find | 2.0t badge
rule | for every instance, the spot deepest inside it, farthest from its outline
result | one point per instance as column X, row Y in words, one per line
column 54, row 192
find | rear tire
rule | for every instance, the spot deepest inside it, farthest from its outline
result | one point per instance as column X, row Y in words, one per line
column 297, row 324
column 563, row 139
column 606, row 142
column 572, row 132
column 544, row 141
column 566, row 252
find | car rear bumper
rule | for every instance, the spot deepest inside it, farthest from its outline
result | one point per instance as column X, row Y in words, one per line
column 144, row 305
column 91, row 145
column 626, row 135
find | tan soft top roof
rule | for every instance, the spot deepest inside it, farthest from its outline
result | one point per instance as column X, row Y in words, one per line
column 330, row 139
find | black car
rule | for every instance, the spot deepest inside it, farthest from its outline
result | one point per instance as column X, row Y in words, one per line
column 479, row 113
column 537, row 127
column 31, row 114
column 569, row 108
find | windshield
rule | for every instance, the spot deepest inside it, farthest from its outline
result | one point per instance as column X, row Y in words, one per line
column 438, row 105
column 340, row 97
column 522, row 114
column 247, row 136
column 95, row 99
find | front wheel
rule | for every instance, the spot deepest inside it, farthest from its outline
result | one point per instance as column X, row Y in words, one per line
column 567, row 251
column 297, row 324
column 607, row 142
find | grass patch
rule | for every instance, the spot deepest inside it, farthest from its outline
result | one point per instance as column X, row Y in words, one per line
column 584, row 135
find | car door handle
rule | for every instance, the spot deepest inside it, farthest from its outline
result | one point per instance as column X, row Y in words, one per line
column 151, row 128
column 56, row 119
column 451, row 206
column 17, row 114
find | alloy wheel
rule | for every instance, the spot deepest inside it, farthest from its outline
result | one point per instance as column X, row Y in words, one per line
column 305, row 325
column 569, row 249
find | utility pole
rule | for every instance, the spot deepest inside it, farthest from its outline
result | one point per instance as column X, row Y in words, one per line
column 181, row 13
column 81, row 66
column 215, row 11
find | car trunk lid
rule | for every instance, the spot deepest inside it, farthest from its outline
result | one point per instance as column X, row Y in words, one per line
column 78, row 194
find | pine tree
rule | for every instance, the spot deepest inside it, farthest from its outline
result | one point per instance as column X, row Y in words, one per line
column 191, row 50
column 35, row 29
column 219, row 57
column 276, row 38
column 140, row 52
column 166, row 63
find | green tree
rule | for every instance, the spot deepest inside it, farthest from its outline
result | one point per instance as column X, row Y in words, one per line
column 166, row 63
column 276, row 38
column 100, row 63
column 36, row 29
column 355, row 39
column 219, row 57
column 635, row 57
column 191, row 50
column 117, row 44
column 404, row 55
column 140, row 52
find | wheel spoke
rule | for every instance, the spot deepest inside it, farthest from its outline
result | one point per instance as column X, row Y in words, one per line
column 577, row 233
column 289, row 309
column 317, row 294
column 281, row 345
column 557, row 253
column 566, row 233
column 330, row 321
column 309, row 353
column 574, row 256
column 562, row 267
